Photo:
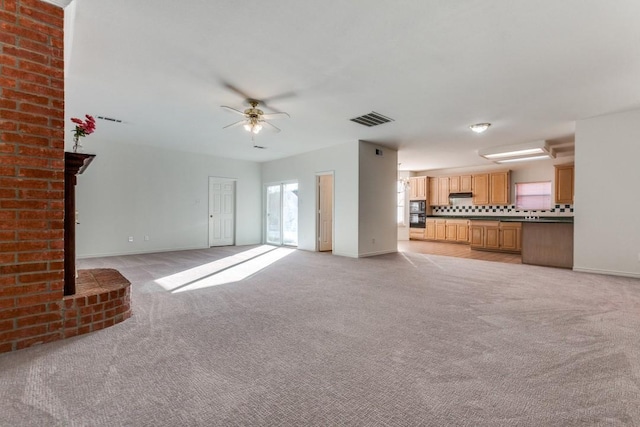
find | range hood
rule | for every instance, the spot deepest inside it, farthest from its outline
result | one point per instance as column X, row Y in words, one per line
column 460, row 195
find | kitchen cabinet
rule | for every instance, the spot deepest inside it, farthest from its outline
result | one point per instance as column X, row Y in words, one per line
column 564, row 184
column 548, row 244
column 454, row 184
column 462, row 232
column 491, row 188
column 496, row 235
column 480, row 188
column 457, row 230
column 441, row 229
column 511, row 236
column 443, row 190
column 418, row 188
column 416, row 233
column 499, row 188
column 430, row 230
column 465, row 184
column 433, row 191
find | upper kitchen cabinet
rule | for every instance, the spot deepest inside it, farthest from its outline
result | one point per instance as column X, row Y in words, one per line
column 499, row 188
column 443, row 191
column 491, row 188
column 433, row 191
column 418, row 188
column 564, row 183
column 465, row 184
column 480, row 188
column 460, row 184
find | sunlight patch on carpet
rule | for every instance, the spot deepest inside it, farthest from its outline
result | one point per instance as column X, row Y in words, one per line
column 227, row 270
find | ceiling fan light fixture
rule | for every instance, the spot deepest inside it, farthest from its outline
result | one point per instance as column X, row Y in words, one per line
column 480, row 127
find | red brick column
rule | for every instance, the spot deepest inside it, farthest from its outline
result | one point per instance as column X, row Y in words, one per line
column 31, row 173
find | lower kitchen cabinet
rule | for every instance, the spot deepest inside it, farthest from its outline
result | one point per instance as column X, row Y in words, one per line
column 441, row 229
column 511, row 236
column 416, row 233
column 430, row 230
column 496, row 235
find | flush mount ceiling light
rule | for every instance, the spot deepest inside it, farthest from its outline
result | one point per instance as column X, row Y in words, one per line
column 480, row 127
column 534, row 150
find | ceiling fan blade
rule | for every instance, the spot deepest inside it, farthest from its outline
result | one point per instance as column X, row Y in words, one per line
column 239, row 122
column 275, row 115
column 236, row 90
column 232, row 109
column 275, row 128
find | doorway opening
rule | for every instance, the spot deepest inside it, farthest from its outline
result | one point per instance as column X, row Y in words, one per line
column 324, row 230
column 222, row 211
column 281, row 214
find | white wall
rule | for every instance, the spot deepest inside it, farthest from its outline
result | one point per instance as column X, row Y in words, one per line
column 135, row 190
column 378, row 232
column 343, row 161
column 607, row 201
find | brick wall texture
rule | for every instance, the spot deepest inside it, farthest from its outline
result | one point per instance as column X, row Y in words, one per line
column 31, row 173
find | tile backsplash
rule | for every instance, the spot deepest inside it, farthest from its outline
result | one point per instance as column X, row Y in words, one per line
column 500, row 210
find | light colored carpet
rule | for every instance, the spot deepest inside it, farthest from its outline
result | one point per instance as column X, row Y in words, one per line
column 318, row 340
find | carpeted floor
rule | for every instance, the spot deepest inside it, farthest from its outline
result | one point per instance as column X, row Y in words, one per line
column 319, row 340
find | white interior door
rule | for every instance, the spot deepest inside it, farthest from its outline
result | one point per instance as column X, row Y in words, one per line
column 222, row 201
column 325, row 213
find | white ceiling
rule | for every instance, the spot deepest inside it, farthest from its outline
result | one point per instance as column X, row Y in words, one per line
column 531, row 68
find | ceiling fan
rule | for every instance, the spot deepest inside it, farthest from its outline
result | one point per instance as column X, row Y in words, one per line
column 255, row 118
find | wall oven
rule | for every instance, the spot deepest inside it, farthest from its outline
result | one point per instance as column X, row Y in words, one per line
column 417, row 220
column 417, row 206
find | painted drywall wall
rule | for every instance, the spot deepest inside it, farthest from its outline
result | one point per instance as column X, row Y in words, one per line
column 136, row 190
column 606, row 227
column 342, row 160
column 378, row 170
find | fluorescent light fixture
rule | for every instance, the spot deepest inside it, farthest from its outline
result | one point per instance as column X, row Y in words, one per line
column 480, row 127
column 523, row 159
column 534, row 150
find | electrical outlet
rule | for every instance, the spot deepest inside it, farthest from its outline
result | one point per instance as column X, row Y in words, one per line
column 146, row 238
column 373, row 241
column 130, row 238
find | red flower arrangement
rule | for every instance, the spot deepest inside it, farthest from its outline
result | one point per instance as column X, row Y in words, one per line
column 83, row 128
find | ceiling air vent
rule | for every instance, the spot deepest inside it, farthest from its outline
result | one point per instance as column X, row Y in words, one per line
column 372, row 119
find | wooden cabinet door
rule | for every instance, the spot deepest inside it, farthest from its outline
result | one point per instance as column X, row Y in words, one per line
column 452, row 232
column 441, row 230
column 480, row 189
column 430, row 230
column 443, row 191
column 492, row 237
column 499, row 188
column 433, row 191
column 454, row 184
column 462, row 233
column 416, row 233
column 509, row 239
column 465, row 184
column 564, row 184
column 476, row 238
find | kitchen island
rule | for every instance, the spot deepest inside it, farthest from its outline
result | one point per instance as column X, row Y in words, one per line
column 547, row 243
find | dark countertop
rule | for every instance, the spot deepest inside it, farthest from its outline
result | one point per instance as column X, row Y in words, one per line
column 544, row 219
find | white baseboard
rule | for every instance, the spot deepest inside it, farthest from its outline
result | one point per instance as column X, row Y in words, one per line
column 607, row 272
column 368, row 254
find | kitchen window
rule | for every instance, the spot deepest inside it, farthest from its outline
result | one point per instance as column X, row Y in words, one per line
column 533, row 195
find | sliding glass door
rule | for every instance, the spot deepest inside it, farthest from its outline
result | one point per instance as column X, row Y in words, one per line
column 281, row 214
